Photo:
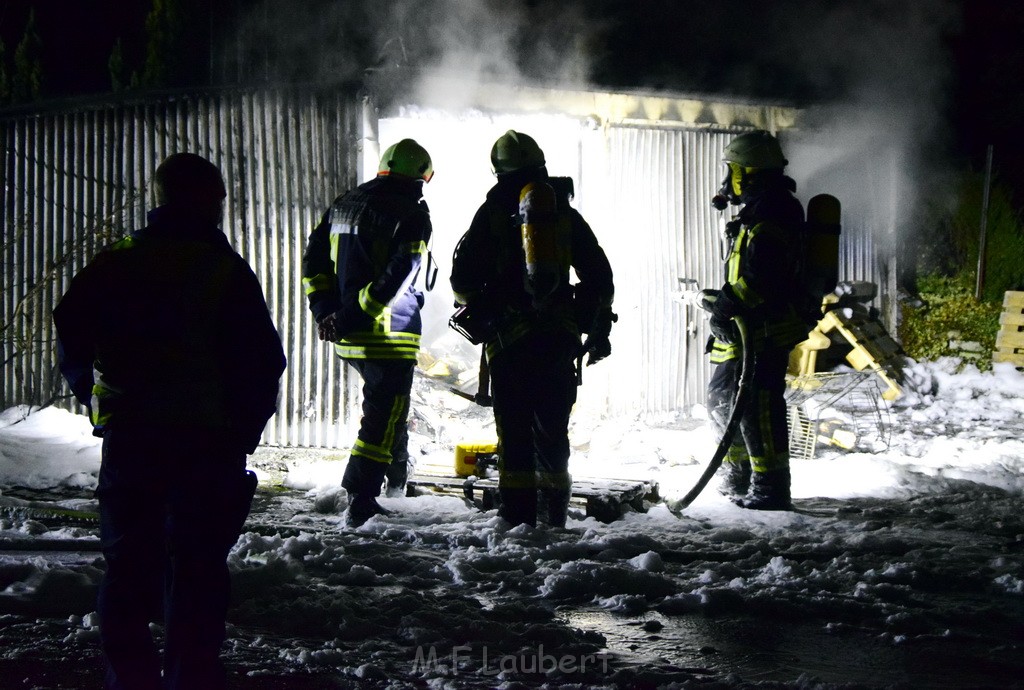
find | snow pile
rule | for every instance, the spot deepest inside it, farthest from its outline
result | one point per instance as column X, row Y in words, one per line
column 902, row 566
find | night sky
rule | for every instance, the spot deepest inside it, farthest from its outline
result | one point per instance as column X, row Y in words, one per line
column 800, row 51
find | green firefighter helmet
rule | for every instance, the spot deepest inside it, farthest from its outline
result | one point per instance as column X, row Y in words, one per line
column 515, row 151
column 757, row 149
column 406, row 158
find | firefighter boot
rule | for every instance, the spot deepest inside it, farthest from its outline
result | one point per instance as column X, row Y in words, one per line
column 397, row 474
column 554, row 506
column 735, row 477
column 518, row 506
column 362, row 480
column 768, row 491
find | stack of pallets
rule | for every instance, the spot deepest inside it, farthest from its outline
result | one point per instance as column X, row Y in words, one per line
column 1010, row 339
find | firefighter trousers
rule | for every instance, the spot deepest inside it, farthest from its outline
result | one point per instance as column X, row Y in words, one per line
column 172, row 504
column 533, row 384
column 382, row 444
column 763, row 438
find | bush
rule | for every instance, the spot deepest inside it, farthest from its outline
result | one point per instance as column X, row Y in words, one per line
column 924, row 333
column 1004, row 240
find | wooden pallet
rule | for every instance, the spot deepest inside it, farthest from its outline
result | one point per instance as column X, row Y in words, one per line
column 604, row 499
column 873, row 347
column 1010, row 339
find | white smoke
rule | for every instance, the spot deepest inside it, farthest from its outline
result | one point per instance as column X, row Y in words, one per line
column 878, row 142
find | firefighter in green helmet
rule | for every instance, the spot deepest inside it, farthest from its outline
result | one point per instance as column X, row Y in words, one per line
column 760, row 271
column 511, row 272
column 359, row 272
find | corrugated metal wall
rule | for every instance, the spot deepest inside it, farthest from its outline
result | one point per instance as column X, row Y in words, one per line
column 75, row 179
column 662, row 230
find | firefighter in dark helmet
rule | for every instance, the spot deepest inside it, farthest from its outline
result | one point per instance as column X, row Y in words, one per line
column 511, row 270
column 761, row 268
column 359, row 273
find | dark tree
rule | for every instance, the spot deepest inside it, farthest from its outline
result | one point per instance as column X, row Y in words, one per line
column 28, row 64
column 117, row 69
column 5, row 86
column 164, row 26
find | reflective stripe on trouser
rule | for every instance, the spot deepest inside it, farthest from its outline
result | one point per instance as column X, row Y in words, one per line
column 763, row 428
column 383, row 432
column 534, row 388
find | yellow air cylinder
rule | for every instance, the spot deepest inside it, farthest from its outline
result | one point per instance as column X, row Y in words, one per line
column 823, row 222
column 471, row 458
column 538, row 209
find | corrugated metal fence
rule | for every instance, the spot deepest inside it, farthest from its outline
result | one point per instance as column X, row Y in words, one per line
column 74, row 179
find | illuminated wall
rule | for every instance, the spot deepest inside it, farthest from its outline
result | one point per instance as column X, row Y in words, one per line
column 645, row 167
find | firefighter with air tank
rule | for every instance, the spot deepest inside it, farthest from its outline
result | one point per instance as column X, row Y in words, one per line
column 511, row 273
column 764, row 287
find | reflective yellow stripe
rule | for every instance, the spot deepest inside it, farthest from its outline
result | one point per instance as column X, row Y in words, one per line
column 735, row 257
column 772, row 458
column 375, row 352
column 382, row 324
column 372, row 451
column 739, row 284
column 767, row 464
column 516, row 479
column 334, row 251
column 126, row 243
column 368, row 304
column 397, row 409
column 720, row 352
column 737, row 454
column 419, row 247
column 368, row 338
column 318, row 283
column 102, row 394
column 554, row 480
column 745, row 293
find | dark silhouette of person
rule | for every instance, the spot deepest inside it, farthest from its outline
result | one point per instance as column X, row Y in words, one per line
column 166, row 337
column 536, row 319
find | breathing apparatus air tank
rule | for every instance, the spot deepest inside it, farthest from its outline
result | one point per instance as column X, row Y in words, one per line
column 538, row 210
column 821, row 269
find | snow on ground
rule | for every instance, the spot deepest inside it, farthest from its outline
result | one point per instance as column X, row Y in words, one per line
column 904, row 566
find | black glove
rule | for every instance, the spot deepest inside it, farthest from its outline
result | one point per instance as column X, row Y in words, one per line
column 336, row 325
column 723, row 306
column 327, row 328
column 707, row 299
column 596, row 347
column 724, row 329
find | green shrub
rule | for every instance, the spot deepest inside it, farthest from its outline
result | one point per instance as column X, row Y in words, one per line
column 924, row 333
column 1004, row 239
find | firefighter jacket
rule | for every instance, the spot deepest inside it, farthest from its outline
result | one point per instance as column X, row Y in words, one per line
column 762, row 269
column 169, row 327
column 488, row 268
column 361, row 264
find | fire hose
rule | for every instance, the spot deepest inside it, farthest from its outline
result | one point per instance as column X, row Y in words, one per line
column 739, row 402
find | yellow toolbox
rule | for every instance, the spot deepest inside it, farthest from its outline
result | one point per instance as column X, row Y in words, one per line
column 475, row 458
